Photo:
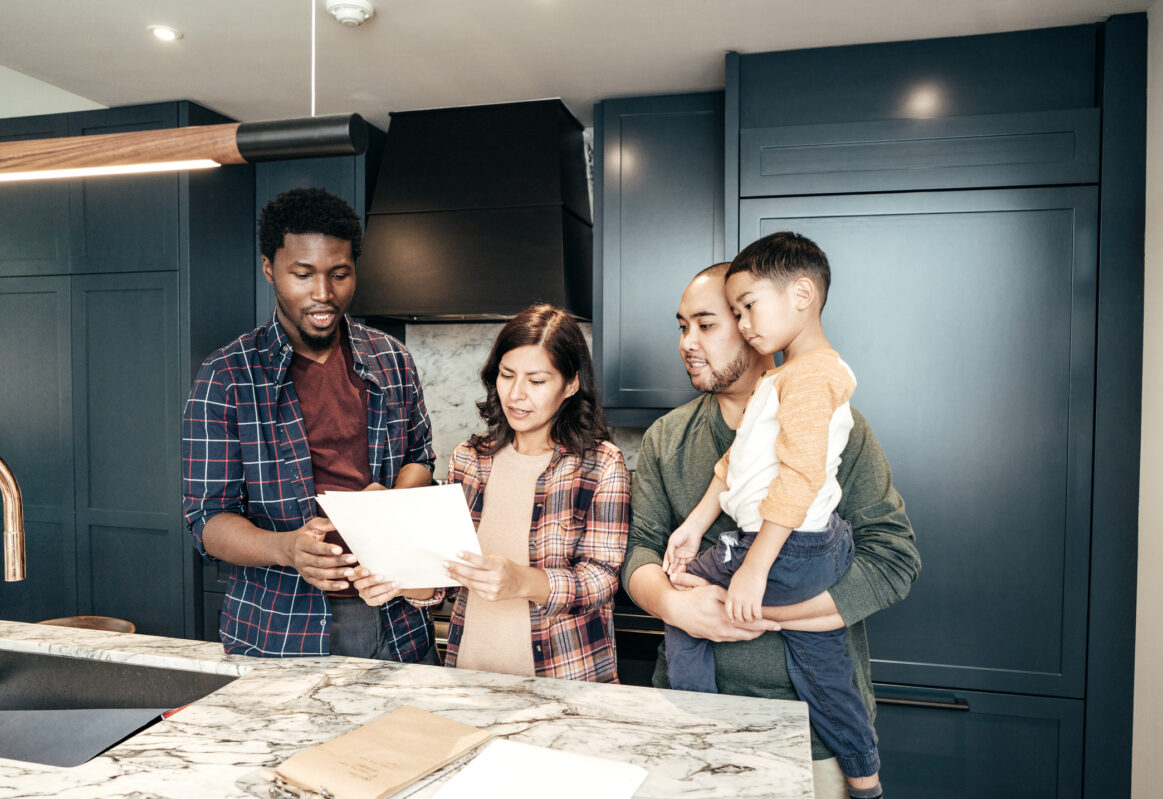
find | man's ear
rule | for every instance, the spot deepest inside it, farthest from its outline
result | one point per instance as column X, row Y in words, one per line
column 268, row 270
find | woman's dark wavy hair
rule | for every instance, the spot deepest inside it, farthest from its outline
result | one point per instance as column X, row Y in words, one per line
column 579, row 424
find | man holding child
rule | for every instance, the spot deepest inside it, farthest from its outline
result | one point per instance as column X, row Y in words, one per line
column 675, row 467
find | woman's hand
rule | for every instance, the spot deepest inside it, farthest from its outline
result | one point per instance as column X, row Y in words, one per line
column 373, row 588
column 495, row 577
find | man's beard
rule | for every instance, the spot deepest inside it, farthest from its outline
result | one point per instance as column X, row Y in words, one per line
column 318, row 343
column 723, row 379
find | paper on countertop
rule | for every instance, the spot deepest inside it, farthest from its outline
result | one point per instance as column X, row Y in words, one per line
column 513, row 770
column 405, row 533
column 381, row 757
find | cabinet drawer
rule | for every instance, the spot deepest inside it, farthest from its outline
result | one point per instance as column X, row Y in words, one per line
column 967, row 743
column 1025, row 149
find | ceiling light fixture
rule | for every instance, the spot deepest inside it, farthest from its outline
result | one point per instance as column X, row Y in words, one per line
column 165, row 32
column 351, row 13
column 196, row 147
column 202, row 146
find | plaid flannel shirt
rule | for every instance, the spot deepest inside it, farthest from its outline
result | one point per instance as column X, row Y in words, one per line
column 245, row 451
column 581, row 515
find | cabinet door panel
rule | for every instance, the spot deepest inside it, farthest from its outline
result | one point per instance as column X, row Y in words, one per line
column 968, row 319
column 659, row 185
column 127, row 422
column 978, row 744
column 34, row 216
column 125, row 224
column 36, row 441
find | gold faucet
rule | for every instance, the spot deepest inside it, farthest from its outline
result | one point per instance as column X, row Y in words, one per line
column 13, row 524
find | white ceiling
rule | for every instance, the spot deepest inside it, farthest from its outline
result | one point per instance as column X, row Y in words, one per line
column 251, row 59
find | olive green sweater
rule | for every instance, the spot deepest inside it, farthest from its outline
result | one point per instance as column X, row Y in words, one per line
column 676, row 465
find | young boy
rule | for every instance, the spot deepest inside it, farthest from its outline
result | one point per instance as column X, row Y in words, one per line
column 778, row 482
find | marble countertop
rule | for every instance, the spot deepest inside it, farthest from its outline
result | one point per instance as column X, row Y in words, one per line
column 692, row 745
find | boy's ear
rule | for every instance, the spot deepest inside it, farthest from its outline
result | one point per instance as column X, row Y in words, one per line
column 803, row 293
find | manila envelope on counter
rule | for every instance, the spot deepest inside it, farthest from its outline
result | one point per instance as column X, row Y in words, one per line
column 382, row 756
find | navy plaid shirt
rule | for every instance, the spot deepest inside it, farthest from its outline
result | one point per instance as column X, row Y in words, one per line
column 245, row 452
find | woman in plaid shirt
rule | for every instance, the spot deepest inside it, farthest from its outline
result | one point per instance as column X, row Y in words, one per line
column 550, row 496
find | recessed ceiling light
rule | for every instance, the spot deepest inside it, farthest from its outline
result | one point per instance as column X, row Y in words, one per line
column 165, row 32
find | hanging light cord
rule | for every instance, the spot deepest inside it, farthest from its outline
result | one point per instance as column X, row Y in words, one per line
column 312, row 3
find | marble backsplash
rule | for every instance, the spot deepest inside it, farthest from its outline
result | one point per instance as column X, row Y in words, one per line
column 449, row 357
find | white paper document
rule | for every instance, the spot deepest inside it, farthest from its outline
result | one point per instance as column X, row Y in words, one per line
column 405, row 534
column 512, row 770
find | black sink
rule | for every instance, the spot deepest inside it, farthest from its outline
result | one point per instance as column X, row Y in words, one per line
column 63, row 711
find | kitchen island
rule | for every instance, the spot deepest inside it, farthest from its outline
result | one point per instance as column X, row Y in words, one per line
column 692, row 745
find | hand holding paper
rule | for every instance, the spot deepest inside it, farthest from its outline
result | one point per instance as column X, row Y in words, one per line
column 404, row 534
column 497, row 578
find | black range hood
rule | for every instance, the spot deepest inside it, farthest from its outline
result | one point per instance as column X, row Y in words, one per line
column 478, row 212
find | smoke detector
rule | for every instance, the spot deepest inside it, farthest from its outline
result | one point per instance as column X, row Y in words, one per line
column 351, row 13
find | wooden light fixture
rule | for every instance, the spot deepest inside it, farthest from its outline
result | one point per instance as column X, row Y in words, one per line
column 197, row 147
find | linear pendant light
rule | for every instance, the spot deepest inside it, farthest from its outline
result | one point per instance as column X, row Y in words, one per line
column 197, row 147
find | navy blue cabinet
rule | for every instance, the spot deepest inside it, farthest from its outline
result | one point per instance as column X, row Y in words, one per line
column 969, row 320
column 36, row 440
column 115, row 290
column 658, row 186
column 980, row 200
column 127, row 455
column 34, row 216
column 966, row 743
column 124, row 224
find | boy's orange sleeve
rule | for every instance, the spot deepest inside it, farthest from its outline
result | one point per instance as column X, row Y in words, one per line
column 809, row 394
column 721, row 466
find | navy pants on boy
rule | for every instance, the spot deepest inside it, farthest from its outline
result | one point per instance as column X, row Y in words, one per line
column 820, row 669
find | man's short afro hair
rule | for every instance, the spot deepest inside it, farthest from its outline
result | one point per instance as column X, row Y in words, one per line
column 307, row 211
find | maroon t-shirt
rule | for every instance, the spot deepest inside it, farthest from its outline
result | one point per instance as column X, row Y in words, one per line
column 333, row 400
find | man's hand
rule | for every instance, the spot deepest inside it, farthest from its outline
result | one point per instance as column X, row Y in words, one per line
column 321, row 564
column 495, row 577
column 699, row 609
column 745, row 593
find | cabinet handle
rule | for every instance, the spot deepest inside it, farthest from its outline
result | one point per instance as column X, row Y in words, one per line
column 956, row 704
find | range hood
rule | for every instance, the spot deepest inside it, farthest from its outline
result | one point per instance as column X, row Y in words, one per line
column 478, row 212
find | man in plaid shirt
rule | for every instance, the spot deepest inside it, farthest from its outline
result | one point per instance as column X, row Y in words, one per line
column 310, row 401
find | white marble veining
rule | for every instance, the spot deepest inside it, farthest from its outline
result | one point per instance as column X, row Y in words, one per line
column 693, row 745
column 449, row 358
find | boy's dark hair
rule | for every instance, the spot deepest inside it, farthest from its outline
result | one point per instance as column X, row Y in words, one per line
column 782, row 257
column 307, row 211
column 580, row 424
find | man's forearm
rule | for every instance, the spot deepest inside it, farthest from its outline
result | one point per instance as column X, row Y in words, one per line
column 235, row 539
column 648, row 587
column 413, row 475
column 819, row 606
